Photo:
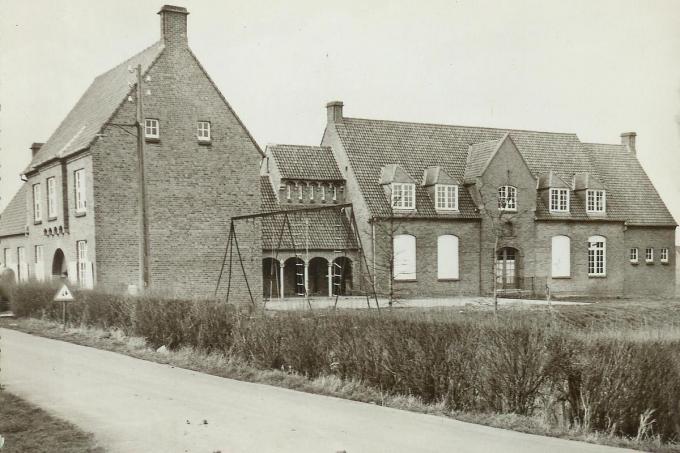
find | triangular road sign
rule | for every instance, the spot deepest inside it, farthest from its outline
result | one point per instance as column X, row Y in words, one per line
column 63, row 295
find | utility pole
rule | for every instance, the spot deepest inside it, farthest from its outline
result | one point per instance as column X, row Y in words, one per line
column 143, row 224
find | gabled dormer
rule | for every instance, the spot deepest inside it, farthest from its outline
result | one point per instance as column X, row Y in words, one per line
column 592, row 193
column 442, row 189
column 399, row 187
column 555, row 192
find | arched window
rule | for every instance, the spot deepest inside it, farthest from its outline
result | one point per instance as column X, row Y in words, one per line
column 507, row 198
column 597, row 256
column 404, row 257
column 561, row 256
column 447, row 257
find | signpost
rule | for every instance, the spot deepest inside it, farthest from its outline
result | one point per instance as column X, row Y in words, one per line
column 63, row 295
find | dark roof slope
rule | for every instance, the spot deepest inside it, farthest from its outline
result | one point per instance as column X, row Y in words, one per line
column 13, row 218
column 94, row 108
column 479, row 155
column 306, row 162
column 372, row 144
column 328, row 229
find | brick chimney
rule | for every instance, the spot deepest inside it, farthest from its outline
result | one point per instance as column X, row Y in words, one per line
column 628, row 140
column 35, row 147
column 334, row 112
column 174, row 25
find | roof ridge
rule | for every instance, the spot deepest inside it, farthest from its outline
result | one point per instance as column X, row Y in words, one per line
column 298, row 146
column 464, row 126
column 127, row 61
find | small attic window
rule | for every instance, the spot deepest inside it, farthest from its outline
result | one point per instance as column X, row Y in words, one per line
column 151, row 128
column 403, row 195
column 559, row 200
column 203, row 131
column 507, row 198
column 446, row 197
column 596, row 201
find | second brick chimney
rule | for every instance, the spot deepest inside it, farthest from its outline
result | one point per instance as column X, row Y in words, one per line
column 628, row 140
column 174, row 25
column 334, row 112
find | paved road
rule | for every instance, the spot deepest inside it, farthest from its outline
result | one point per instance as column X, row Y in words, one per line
column 133, row 405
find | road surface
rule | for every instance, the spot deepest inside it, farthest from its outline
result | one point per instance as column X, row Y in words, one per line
column 132, row 405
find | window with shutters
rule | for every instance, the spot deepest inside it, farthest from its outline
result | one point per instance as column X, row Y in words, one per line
column 446, row 197
column 561, row 257
column 634, row 255
column 447, row 257
column 81, row 200
column 403, row 195
column 663, row 255
column 507, row 198
column 404, row 259
column 597, row 256
column 51, row 198
column 559, row 200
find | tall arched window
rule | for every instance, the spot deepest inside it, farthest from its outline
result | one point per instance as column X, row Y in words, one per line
column 507, row 198
column 561, row 256
column 404, row 257
column 597, row 256
column 447, row 257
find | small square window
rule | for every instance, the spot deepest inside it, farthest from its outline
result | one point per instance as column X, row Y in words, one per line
column 649, row 255
column 664, row 255
column 204, row 131
column 151, row 128
column 634, row 255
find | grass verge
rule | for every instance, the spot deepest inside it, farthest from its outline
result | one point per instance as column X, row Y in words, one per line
column 218, row 364
column 27, row 428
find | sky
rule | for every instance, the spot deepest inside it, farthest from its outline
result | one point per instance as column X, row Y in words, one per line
column 595, row 68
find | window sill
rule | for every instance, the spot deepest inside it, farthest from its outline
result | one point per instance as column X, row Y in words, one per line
column 597, row 276
column 80, row 213
column 152, row 139
column 37, row 222
column 649, row 262
column 665, row 262
column 564, row 277
column 52, row 219
column 205, row 142
column 634, row 263
column 448, row 279
column 405, row 280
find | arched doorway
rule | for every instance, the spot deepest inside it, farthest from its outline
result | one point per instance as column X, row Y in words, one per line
column 59, row 267
column 271, row 275
column 342, row 276
column 318, row 277
column 294, row 277
column 507, row 268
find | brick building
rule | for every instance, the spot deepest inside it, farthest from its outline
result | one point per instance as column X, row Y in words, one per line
column 451, row 210
column 79, row 212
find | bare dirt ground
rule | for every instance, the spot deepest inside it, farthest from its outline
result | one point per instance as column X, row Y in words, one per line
column 133, row 405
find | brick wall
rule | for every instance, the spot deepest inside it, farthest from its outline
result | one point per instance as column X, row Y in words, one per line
column 655, row 279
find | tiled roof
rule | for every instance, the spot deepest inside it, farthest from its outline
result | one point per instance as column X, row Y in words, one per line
column 372, row 144
column 435, row 175
column 478, row 157
column 13, row 218
column 328, row 229
column 94, row 108
column 630, row 193
column 305, row 162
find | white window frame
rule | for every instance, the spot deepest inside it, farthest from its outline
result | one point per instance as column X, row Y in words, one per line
column 21, row 263
column 663, row 255
column 597, row 256
column 335, row 193
column 288, row 191
column 203, row 131
column 37, row 211
column 446, row 197
column 448, row 262
column 81, row 260
column 560, row 251
column 559, row 200
column 634, row 255
column 507, row 198
column 593, row 205
column 300, row 192
column 403, row 195
column 152, row 128
column 323, row 192
column 311, row 192
column 79, row 186
column 51, row 198
column 404, row 261
column 649, row 255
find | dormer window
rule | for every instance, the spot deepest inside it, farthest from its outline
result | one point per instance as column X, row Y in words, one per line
column 507, row 198
column 559, row 200
column 446, row 197
column 288, row 190
column 300, row 192
column 596, row 201
column 203, row 131
column 151, row 129
column 403, row 195
column 323, row 193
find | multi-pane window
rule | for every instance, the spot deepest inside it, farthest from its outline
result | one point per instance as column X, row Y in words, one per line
column 288, row 191
column 81, row 250
column 204, row 131
column 446, row 198
column 597, row 256
column 311, row 192
column 596, row 201
column 151, row 128
column 634, row 255
column 323, row 193
column 37, row 212
column 403, row 195
column 507, row 198
column 38, row 253
column 559, row 200
column 649, row 255
column 39, row 265
column 664, row 255
column 81, row 200
column 51, row 198
column 300, row 191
